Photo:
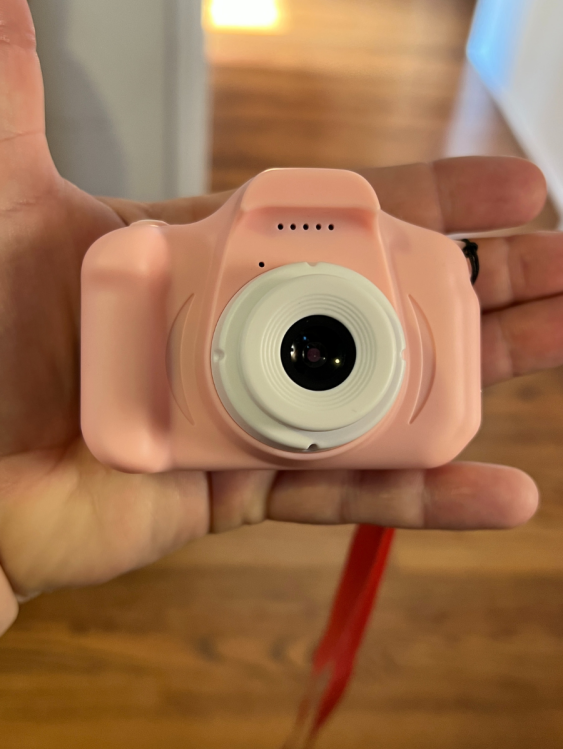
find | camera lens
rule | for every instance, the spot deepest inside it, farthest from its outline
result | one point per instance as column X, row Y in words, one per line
column 318, row 353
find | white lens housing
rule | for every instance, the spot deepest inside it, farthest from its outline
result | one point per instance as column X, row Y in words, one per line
column 253, row 384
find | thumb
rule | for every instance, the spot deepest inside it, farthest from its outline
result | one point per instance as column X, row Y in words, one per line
column 25, row 163
column 21, row 83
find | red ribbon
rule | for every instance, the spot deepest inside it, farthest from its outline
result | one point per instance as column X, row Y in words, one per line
column 334, row 659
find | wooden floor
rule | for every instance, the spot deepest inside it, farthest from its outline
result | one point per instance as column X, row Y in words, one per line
column 209, row 649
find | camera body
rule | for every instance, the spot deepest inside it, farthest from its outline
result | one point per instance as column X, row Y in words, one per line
column 298, row 327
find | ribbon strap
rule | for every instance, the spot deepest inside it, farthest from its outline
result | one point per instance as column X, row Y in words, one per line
column 334, row 659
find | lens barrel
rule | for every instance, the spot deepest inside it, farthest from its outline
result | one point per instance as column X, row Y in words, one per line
column 308, row 354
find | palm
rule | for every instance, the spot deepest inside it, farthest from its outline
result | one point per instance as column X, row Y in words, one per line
column 64, row 518
column 47, row 226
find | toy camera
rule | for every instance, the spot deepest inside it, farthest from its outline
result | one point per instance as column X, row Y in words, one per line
column 297, row 327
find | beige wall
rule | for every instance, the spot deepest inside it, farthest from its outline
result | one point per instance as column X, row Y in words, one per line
column 126, row 94
column 517, row 48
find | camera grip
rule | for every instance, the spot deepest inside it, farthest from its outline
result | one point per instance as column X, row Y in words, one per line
column 125, row 394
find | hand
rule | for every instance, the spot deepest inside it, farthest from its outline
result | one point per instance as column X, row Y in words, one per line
column 67, row 520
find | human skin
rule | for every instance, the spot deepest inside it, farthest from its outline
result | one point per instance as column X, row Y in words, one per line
column 67, row 520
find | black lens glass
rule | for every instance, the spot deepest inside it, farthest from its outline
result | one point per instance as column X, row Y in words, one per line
column 318, row 353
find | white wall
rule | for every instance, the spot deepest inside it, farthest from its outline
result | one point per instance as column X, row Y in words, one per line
column 517, row 48
column 126, row 94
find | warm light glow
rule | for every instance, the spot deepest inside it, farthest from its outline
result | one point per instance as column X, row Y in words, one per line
column 244, row 14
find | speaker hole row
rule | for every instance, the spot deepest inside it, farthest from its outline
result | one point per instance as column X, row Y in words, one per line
column 306, row 227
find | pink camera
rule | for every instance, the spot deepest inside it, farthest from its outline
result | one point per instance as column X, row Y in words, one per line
column 297, row 327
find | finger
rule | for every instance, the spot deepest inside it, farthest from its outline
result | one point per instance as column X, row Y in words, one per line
column 451, row 195
column 472, row 193
column 522, row 339
column 8, row 604
column 459, row 496
column 239, row 498
column 179, row 211
column 519, row 269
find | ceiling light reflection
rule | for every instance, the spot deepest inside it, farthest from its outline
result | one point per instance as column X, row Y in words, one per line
column 244, row 14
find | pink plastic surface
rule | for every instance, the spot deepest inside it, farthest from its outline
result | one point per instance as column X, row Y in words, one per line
column 152, row 295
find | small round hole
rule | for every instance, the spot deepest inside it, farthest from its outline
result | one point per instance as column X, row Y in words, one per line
column 312, row 448
column 280, row 226
column 261, row 264
column 319, row 227
column 331, row 227
column 305, row 226
column 293, row 227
